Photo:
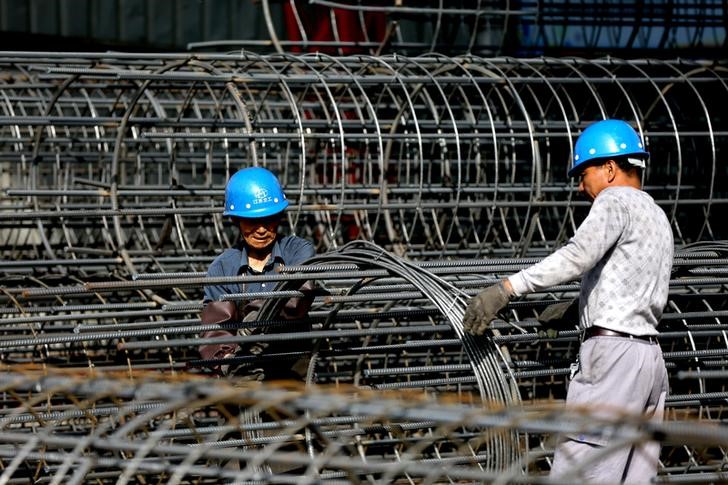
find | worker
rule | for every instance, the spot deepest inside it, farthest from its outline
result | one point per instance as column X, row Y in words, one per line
column 623, row 253
column 256, row 203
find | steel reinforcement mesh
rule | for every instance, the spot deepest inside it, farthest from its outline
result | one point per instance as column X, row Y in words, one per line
column 189, row 430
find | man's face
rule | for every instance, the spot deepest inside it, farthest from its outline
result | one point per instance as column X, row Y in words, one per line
column 259, row 233
column 593, row 179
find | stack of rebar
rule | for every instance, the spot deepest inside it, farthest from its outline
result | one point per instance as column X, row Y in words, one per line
column 383, row 323
column 187, row 430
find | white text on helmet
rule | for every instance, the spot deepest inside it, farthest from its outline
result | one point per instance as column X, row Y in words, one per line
column 262, row 196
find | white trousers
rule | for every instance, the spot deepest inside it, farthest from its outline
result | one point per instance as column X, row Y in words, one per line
column 616, row 373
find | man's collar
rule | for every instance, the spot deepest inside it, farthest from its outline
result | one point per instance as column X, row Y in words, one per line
column 275, row 254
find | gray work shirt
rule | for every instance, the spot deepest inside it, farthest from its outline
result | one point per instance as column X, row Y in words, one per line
column 288, row 251
column 624, row 251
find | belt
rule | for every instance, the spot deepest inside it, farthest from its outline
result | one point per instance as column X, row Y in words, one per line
column 605, row 332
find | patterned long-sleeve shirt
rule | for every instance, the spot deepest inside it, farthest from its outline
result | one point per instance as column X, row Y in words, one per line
column 623, row 251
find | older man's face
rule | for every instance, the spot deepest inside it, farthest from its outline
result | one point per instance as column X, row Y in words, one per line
column 259, row 233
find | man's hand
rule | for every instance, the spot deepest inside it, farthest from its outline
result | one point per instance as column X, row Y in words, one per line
column 557, row 317
column 215, row 313
column 251, row 316
column 484, row 307
column 547, row 333
column 225, row 368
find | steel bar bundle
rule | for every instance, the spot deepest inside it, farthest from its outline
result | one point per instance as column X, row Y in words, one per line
column 187, row 430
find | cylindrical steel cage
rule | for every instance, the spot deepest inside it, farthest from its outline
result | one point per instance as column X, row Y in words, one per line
column 427, row 156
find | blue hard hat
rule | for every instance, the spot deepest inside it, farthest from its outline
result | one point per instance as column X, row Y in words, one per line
column 607, row 139
column 254, row 192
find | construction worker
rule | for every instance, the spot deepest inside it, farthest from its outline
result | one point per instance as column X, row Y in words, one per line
column 623, row 253
column 256, row 203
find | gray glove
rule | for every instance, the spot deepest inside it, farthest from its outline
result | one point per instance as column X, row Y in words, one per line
column 547, row 333
column 484, row 307
column 558, row 316
column 251, row 316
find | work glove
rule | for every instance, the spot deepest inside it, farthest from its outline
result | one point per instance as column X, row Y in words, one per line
column 484, row 307
column 298, row 307
column 294, row 308
column 256, row 348
column 218, row 312
column 251, row 316
column 557, row 317
column 226, row 369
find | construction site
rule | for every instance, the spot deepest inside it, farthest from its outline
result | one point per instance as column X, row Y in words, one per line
column 424, row 150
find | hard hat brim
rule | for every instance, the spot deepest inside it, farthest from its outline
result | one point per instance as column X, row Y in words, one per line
column 576, row 170
column 258, row 213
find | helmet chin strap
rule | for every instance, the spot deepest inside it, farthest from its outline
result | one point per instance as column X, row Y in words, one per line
column 637, row 162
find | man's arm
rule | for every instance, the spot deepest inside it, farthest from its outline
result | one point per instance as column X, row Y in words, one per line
column 214, row 313
column 596, row 235
column 593, row 239
column 298, row 307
